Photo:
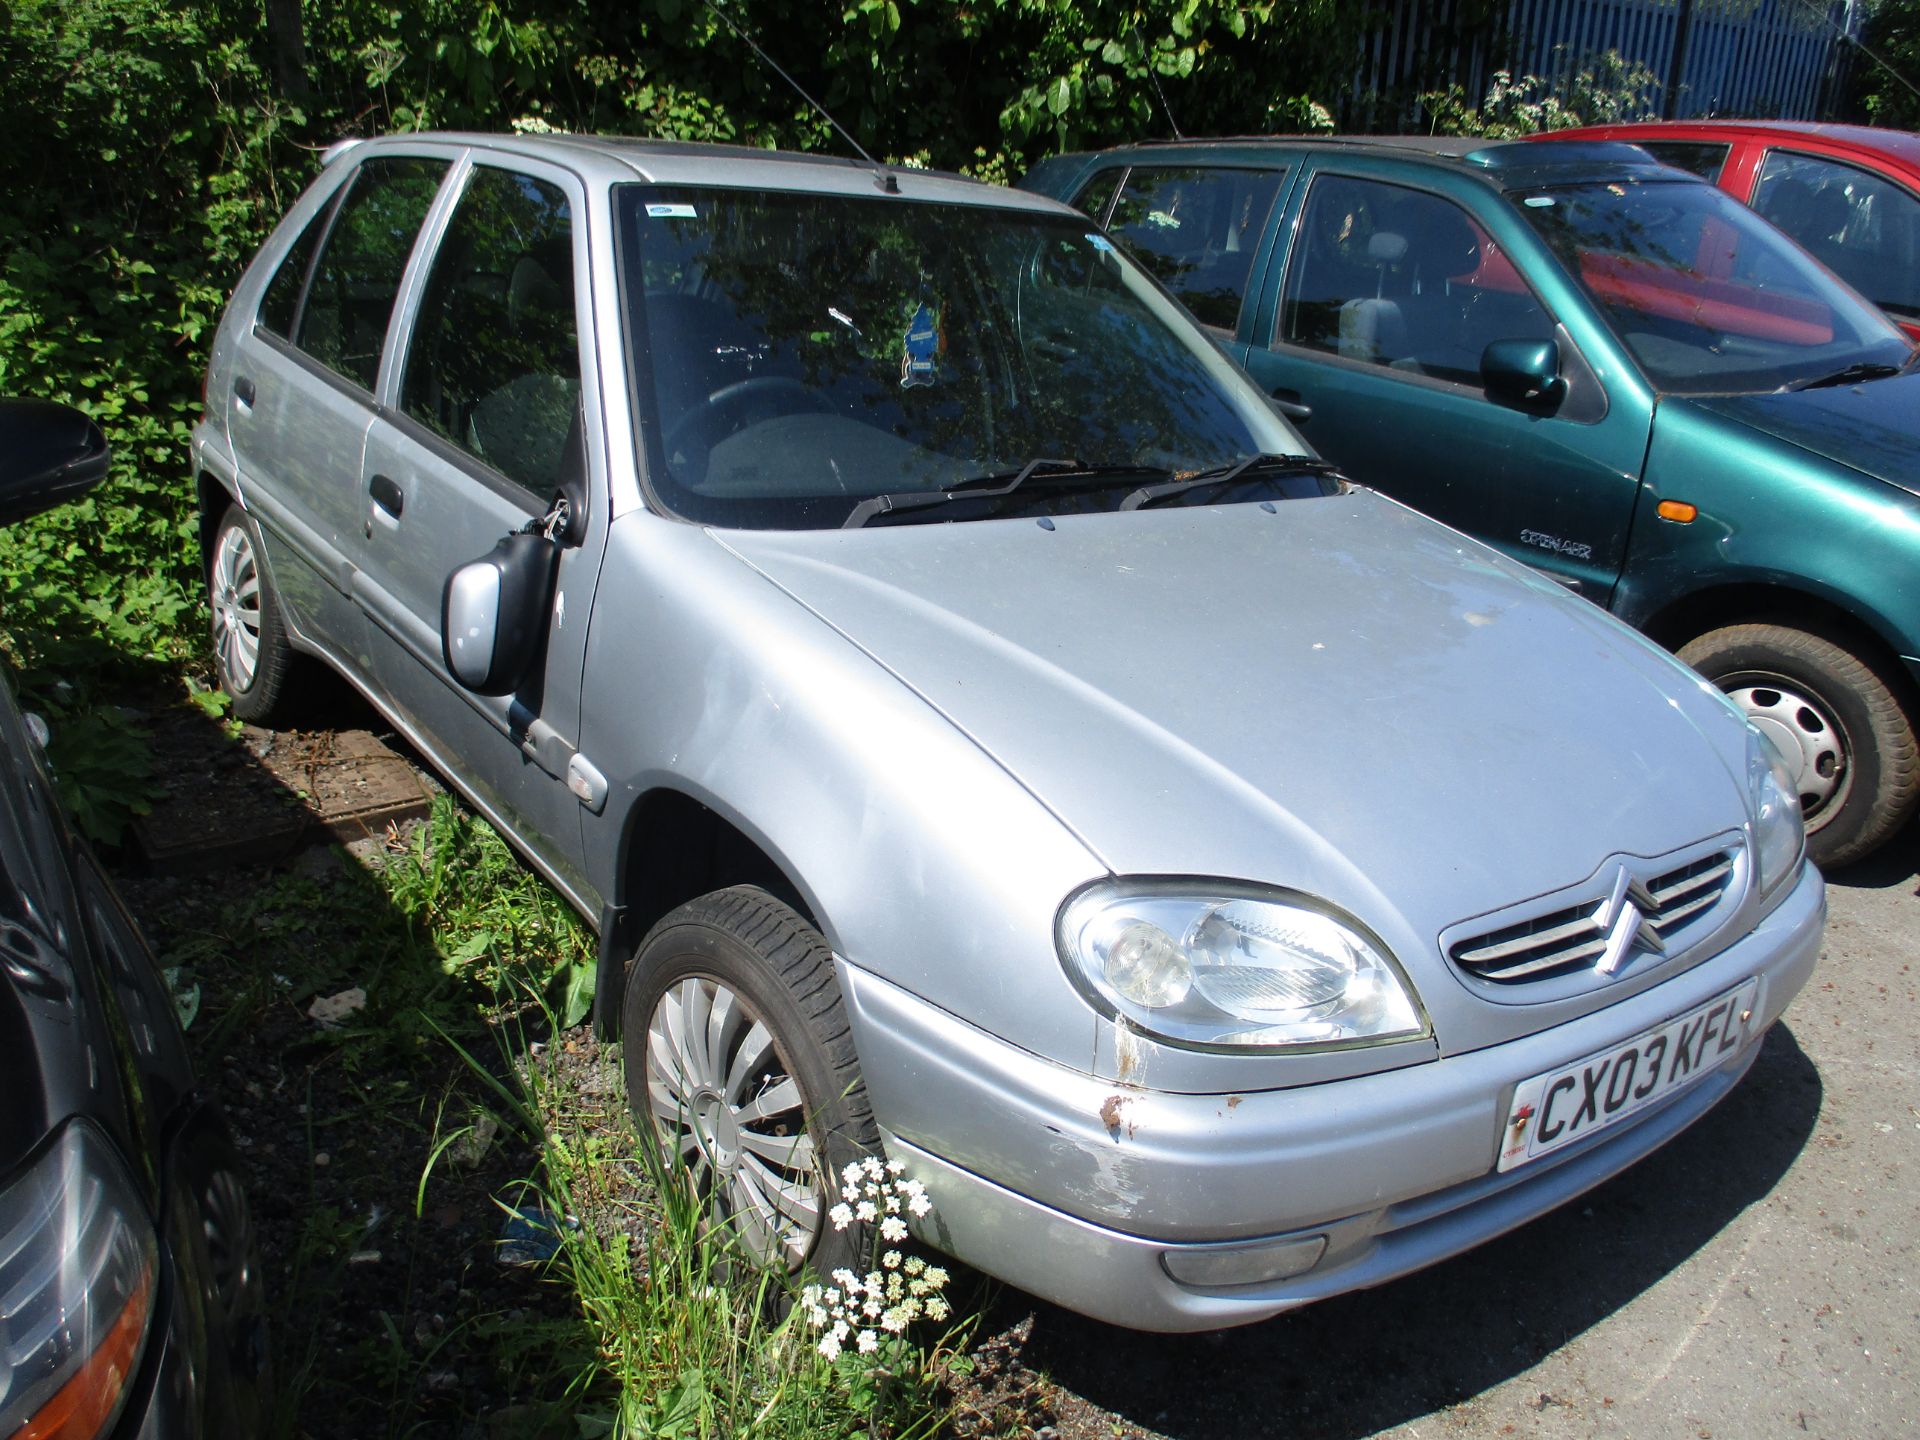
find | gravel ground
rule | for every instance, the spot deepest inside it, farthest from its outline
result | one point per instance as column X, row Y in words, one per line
column 1757, row 1277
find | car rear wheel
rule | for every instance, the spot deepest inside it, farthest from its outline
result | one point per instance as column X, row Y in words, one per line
column 1838, row 720
column 739, row 1062
column 250, row 647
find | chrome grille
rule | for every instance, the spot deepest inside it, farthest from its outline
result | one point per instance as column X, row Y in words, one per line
column 1569, row 939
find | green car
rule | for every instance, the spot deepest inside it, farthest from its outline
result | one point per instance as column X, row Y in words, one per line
column 1609, row 369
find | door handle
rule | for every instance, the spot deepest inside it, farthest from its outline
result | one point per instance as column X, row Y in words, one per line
column 243, row 391
column 1289, row 404
column 388, row 495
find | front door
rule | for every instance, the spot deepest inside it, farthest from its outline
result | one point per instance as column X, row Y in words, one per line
column 1389, row 298
column 488, row 419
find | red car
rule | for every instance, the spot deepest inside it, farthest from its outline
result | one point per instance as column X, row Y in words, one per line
column 1848, row 193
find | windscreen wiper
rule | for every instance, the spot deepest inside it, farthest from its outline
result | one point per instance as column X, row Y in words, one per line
column 992, row 486
column 1253, row 465
column 1869, row 370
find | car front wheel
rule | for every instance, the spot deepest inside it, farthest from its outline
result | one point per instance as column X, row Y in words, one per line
column 1838, row 720
column 740, row 1063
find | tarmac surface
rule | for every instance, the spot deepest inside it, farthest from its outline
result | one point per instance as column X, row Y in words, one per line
column 1759, row 1276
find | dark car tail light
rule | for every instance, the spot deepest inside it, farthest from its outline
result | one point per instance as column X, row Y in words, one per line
column 79, row 1265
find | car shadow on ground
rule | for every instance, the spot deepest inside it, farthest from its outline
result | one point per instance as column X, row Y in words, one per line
column 1365, row 1362
column 1895, row 866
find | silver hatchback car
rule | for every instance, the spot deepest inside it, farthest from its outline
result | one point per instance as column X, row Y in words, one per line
column 981, row 730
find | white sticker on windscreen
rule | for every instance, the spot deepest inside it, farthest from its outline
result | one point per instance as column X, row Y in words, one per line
column 671, row 212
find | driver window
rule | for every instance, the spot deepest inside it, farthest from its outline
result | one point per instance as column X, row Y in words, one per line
column 1402, row 279
column 494, row 366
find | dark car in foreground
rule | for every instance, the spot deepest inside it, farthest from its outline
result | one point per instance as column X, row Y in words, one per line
column 130, row 1300
column 1850, row 194
column 1607, row 368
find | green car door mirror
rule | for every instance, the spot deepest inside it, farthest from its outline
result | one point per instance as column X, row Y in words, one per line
column 1523, row 371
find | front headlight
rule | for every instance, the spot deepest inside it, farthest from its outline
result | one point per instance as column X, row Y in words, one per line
column 1222, row 965
column 1774, row 801
column 79, row 1265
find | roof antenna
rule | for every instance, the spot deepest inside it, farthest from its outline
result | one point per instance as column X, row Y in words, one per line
column 882, row 176
column 1155, row 78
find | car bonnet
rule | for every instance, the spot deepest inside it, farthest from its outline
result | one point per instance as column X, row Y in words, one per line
column 1337, row 696
column 1868, row 427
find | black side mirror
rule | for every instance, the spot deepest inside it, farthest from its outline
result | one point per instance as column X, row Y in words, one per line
column 493, row 613
column 1525, row 372
column 52, row 454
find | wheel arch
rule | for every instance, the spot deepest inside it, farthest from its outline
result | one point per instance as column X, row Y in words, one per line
column 213, row 495
column 1694, row 614
column 674, row 847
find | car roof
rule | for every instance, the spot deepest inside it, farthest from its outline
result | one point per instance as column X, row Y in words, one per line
column 1504, row 164
column 615, row 159
column 1900, row 143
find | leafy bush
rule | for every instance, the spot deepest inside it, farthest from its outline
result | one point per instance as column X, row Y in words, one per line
column 1607, row 88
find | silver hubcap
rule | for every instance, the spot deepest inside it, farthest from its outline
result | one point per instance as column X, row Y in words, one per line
column 236, row 609
column 1804, row 732
column 733, row 1116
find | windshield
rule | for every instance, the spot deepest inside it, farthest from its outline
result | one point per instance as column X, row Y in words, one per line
column 805, row 353
column 1709, row 297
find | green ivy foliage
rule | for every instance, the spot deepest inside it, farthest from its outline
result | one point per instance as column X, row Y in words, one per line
column 152, row 144
column 1886, row 71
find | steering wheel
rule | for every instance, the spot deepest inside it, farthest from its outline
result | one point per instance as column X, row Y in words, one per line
column 726, row 411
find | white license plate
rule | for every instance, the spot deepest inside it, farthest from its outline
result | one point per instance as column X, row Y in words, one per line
column 1555, row 1109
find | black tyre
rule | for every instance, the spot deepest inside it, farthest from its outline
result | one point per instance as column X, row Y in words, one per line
column 256, row 664
column 1839, row 719
column 740, row 1063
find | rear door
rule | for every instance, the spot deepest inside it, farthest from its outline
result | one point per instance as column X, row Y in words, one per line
column 1377, row 320
column 301, row 398
column 487, row 417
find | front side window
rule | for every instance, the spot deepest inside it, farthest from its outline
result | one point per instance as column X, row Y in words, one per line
column 804, row 353
column 1708, row 297
column 357, row 277
column 1402, row 279
column 1196, row 230
column 1862, row 226
column 494, row 364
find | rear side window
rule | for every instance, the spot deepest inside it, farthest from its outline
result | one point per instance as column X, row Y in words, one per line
column 1097, row 194
column 1400, row 278
column 1861, row 226
column 350, row 298
column 1196, row 230
column 1702, row 157
column 280, row 309
column 494, row 365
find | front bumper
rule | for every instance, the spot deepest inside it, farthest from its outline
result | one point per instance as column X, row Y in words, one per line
column 1083, row 1192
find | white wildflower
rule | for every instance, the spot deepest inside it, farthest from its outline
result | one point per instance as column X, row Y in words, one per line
column 874, row 1168
column 936, row 1308
column 830, row 1346
column 896, row 1167
column 868, row 1342
column 893, row 1230
column 866, row 1211
column 841, row 1217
